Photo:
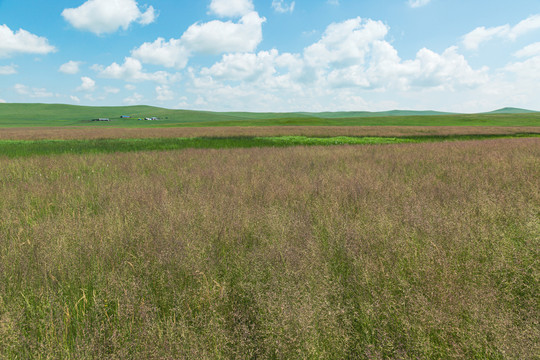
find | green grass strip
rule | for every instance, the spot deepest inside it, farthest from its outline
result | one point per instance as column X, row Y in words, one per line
column 25, row 148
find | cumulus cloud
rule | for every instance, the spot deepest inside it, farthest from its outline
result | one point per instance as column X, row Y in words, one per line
column 87, row 84
column 75, row 99
column 134, row 99
column 243, row 66
column 345, row 43
column 71, row 67
column 528, row 69
column 418, row 3
column 351, row 56
column 214, row 37
column 281, row 7
column 529, row 50
column 132, row 71
column 107, row 16
column 111, row 90
column 525, row 26
column 482, row 34
column 8, row 70
column 23, row 42
column 32, row 92
column 170, row 53
column 231, row 8
column 2, row 101
column 164, row 93
column 217, row 37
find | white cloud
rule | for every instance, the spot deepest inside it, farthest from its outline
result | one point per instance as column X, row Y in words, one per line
column 214, row 37
column 134, row 99
column 351, row 58
column 333, row 2
column 231, row 8
column 281, row 7
column 32, row 92
column 130, row 87
column 111, row 90
column 530, row 24
column 92, row 97
column 22, row 42
column 529, row 50
column 345, row 43
column 75, row 99
column 243, row 66
column 482, row 34
column 166, row 53
column 71, row 67
column 132, row 71
column 87, row 84
column 418, row 3
column 8, row 70
column 164, row 93
column 528, row 69
column 107, row 16
column 2, row 101
column 217, row 37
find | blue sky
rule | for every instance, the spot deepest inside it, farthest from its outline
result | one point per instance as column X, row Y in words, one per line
column 272, row 55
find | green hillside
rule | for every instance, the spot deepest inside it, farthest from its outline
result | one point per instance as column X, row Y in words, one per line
column 31, row 115
column 511, row 110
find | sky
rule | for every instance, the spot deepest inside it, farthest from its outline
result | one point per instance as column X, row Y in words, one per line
column 273, row 55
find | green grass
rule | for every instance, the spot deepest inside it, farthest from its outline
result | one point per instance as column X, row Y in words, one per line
column 31, row 115
column 406, row 251
column 24, row 148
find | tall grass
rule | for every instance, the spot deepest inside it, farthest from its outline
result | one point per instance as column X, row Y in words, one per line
column 25, row 148
column 22, row 148
column 403, row 251
column 87, row 133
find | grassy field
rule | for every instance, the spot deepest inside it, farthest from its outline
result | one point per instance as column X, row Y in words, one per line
column 423, row 250
column 31, row 115
column 25, row 148
column 89, row 133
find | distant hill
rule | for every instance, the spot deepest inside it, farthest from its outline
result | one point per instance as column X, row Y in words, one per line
column 30, row 115
column 511, row 110
column 354, row 114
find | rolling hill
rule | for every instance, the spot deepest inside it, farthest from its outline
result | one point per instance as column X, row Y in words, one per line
column 32, row 115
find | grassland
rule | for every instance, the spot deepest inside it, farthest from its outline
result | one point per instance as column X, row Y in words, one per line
column 31, row 115
column 95, row 133
column 25, row 148
column 255, row 242
column 424, row 250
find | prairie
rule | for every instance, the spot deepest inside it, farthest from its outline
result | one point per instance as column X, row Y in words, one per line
column 421, row 250
column 90, row 133
column 45, row 115
column 24, row 148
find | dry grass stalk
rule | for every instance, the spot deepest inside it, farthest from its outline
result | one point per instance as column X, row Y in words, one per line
column 400, row 251
column 113, row 133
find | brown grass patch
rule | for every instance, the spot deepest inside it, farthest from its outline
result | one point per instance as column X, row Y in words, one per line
column 66, row 133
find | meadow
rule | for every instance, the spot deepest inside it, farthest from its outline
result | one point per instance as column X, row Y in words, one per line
column 273, row 240
column 24, row 148
column 411, row 250
column 46, row 115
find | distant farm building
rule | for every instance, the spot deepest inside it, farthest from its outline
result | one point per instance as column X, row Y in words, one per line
column 125, row 117
column 101, row 119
